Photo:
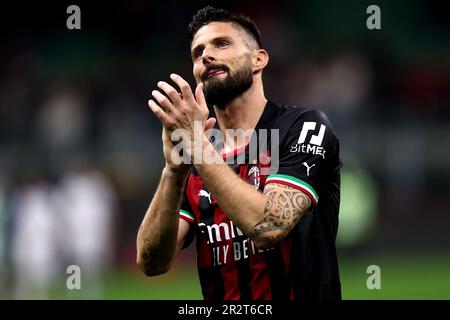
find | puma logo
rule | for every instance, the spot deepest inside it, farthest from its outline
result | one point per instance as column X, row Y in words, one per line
column 308, row 167
column 203, row 193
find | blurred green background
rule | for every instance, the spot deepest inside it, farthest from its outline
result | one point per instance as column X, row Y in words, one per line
column 410, row 277
column 80, row 153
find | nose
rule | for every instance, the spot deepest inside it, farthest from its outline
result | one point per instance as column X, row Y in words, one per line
column 207, row 57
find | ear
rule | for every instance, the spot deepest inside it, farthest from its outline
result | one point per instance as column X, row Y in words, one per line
column 260, row 60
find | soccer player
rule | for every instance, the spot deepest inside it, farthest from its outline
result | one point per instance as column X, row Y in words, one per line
column 260, row 234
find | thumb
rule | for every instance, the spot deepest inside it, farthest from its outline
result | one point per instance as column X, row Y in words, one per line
column 210, row 123
column 199, row 96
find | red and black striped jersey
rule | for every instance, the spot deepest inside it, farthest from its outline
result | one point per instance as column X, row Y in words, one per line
column 303, row 154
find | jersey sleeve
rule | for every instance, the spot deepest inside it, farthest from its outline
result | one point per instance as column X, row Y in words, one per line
column 186, row 213
column 307, row 154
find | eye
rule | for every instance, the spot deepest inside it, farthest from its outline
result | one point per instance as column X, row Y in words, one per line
column 222, row 44
column 197, row 53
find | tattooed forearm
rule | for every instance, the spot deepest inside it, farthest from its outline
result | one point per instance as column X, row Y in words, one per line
column 284, row 208
column 266, row 227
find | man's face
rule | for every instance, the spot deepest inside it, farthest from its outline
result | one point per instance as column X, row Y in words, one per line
column 221, row 53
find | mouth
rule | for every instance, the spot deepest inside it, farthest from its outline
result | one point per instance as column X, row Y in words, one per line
column 214, row 72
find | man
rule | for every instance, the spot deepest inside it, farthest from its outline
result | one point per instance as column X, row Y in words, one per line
column 258, row 236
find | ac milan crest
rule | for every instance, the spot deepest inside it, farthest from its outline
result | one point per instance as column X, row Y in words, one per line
column 253, row 176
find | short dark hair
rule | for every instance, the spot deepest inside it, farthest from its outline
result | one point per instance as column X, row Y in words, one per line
column 210, row 14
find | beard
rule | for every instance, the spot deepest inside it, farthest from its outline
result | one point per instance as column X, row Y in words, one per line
column 219, row 92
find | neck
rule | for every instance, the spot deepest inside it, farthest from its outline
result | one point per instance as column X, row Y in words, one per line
column 243, row 112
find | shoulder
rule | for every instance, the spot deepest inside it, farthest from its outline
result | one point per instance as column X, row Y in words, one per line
column 290, row 116
column 300, row 113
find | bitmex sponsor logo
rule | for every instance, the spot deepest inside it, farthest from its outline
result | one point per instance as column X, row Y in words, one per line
column 224, row 251
column 315, row 142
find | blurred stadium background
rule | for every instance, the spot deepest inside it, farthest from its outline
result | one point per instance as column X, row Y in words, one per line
column 80, row 153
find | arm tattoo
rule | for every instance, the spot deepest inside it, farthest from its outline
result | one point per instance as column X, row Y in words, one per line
column 283, row 210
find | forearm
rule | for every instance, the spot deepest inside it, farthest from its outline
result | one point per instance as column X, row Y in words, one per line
column 240, row 202
column 157, row 236
column 267, row 217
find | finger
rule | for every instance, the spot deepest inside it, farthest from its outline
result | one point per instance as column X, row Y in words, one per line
column 171, row 92
column 166, row 121
column 210, row 123
column 199, row 96
column 164, row 101
column 184, row 86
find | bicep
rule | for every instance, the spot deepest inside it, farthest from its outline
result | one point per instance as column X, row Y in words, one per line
column 284, row 208
column 289, row 200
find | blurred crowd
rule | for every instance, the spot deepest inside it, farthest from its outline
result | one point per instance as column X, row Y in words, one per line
column 80, row 153
column 47, row 226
